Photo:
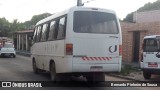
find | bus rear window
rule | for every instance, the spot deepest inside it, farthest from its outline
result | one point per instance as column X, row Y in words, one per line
column 151, row 45
column 95, row 22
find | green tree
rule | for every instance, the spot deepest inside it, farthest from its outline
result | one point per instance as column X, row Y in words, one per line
column 150, row 6
column 7, row 27
column 147, row 7
column 16, row 26
column 35, row 19
column 128, row 18
column 4, row 27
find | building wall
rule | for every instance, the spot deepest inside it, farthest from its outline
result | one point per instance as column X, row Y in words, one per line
column 23, row 40
column 150, row 28
column 147, row 16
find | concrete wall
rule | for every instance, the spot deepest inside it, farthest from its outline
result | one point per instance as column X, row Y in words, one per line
column 147, row 16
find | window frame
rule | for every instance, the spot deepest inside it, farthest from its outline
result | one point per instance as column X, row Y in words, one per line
column 35, row 35
column 39, row 31
column 146, row 45
column 115, row 20
column 51, row 38
column 44, row 32
column 63, row 33
column 48, row 29
column 56, row 25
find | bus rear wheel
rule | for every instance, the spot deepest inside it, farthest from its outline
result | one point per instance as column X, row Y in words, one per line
column 96, row 77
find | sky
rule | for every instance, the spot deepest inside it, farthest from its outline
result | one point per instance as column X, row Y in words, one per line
column 23, row 10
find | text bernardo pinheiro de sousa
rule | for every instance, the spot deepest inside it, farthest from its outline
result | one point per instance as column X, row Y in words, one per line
column 134, row 84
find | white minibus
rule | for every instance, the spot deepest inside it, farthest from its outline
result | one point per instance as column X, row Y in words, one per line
column 81, row 41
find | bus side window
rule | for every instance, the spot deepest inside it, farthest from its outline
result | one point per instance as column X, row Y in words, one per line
column 52, row 30
column 47, row 31
column 39, row 32
column 55, row 33
column 35, row 35
column 44, row 30
column 61, row 28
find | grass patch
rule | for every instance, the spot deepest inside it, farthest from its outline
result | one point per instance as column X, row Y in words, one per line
column 127, row 69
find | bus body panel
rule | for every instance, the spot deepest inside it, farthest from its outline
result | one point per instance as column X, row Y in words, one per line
column 95, row 68
column 47, row 51
column 63, row 64
column 91, row 50
column 96, row 49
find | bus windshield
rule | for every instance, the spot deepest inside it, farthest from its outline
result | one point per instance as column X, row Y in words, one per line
column 151, row 45
column 95, row 22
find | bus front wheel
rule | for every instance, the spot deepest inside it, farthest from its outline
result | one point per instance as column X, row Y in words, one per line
column 35, row 69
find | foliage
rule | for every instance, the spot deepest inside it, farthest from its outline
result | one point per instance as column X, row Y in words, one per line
column 16, row 26
column 127, row 69
column 129, row 18
column 7, row 27
column 4, row 27
column 147, row 7
column 150, row 6
column 35, row 19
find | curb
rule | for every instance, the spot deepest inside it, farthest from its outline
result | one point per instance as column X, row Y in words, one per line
column 22, row 57
column 122, row 77
column 26, row 54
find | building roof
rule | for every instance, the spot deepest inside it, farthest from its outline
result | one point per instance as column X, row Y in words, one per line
column 147, row 16
column 152, row 36
column 24, row 31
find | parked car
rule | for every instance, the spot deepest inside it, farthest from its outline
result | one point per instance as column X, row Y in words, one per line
column 150, row 57
column 8, row 50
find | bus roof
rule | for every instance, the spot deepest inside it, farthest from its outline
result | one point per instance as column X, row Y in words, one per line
column 51, row 17
column 72, row 9
column 151, row 36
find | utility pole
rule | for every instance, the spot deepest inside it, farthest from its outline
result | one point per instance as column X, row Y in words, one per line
column 79, row 3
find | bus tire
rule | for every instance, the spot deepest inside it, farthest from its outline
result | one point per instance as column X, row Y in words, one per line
column 34, row 66
column 146, row 75
column 96, row 77
column 14, row 56
column 53, row 74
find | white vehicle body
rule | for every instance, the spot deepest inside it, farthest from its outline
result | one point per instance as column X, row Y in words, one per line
column 8, row 50
column 150, row 58
column 82, row 46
